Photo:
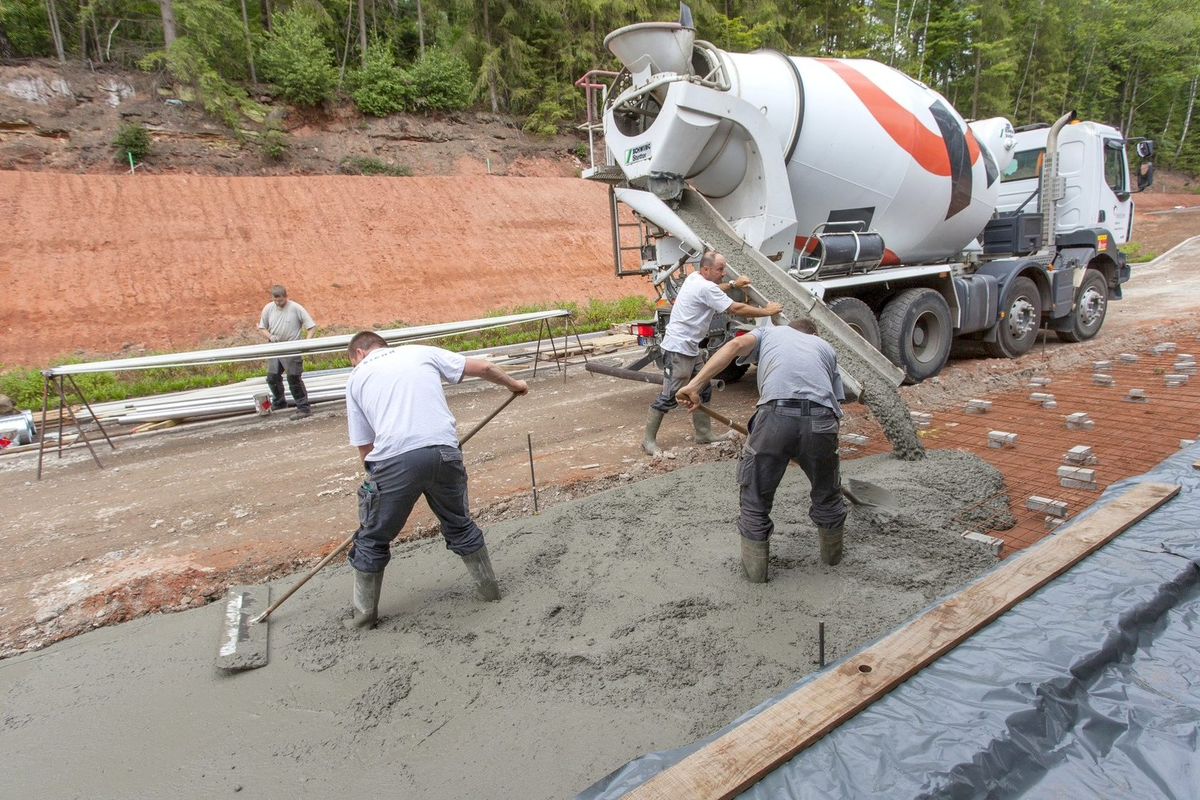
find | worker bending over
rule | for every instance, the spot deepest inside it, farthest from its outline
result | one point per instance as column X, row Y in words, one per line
column 800, row 392
column 405, row 434
column 701, row 296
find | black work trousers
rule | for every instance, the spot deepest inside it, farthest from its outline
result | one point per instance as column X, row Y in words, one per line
column 387, row 497
column 294, row 367
column 778, row 435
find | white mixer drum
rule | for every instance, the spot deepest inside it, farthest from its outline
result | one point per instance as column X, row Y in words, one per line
column 880, row 151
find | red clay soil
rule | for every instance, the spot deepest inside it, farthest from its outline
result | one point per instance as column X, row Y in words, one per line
column 101, row 263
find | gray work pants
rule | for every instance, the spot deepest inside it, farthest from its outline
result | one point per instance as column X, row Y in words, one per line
column 294, row 366
column 387, row 497
column 678, row 371
column 779, row 434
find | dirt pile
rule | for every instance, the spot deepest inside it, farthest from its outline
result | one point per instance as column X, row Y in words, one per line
column 108, row 263
column 625, row 628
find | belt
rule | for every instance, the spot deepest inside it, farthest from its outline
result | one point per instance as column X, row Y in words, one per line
column 807, row 407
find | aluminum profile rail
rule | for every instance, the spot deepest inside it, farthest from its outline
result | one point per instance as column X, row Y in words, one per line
column 320, row 344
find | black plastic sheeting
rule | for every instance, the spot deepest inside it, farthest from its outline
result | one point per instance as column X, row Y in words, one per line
column 1090, row 687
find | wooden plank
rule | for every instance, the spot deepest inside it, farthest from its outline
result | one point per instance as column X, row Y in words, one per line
column 1196, row 465
column 740, row 758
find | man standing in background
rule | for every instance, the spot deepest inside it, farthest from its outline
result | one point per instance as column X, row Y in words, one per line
column 282, row 321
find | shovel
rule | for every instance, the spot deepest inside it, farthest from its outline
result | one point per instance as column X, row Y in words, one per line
column 243, row 639
column 860, row 493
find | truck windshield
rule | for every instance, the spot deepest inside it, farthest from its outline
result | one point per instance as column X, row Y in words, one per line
column 1025, row 164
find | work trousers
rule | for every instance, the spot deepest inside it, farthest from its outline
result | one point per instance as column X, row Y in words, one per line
column 678, row 371
column 294, row 366
column 387, row 497
column 779, row 434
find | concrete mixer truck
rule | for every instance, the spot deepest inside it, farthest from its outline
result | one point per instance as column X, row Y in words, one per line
column 866, row 188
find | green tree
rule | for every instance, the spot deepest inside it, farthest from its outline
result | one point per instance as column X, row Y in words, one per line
column 296, row 58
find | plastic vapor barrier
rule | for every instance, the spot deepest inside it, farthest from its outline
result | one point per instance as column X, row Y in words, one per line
column 1090, row 687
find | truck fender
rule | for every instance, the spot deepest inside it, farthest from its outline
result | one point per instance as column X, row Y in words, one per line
column 1005, row 271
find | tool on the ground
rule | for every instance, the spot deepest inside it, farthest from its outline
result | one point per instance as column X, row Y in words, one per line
column 532, row 477
column 243, row 639
column 860, row 493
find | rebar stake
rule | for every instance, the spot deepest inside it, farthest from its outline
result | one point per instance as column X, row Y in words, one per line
column 821, row 644
column 532, row 478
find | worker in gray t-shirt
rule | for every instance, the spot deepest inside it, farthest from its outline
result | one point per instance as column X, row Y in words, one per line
column 283, row 320
column 701, row 296
column 799, row 408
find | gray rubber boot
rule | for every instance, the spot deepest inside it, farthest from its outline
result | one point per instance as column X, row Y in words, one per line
column 755, row 556
column 831, row 544
column 704, row 431
column 366, row 600
column 480, row 567
column 649, row 439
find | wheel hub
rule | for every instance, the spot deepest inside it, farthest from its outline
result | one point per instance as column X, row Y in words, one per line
column 1091, row 307
column 1021, row 318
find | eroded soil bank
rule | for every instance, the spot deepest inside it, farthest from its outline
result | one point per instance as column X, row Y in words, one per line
column 625, row 628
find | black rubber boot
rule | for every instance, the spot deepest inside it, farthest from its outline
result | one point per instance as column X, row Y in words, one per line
column 480, row 567
column 755, row 556
column 704, row 432
column 366, row 600
column 650, row 437
column 275, row 384
column 831, row 544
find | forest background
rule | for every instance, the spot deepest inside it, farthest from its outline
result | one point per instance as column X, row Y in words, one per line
column 1134, row 65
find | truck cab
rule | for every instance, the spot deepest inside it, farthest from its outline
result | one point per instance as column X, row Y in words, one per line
column 1095, row 167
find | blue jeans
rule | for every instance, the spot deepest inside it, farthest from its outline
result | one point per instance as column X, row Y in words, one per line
column 387, row 497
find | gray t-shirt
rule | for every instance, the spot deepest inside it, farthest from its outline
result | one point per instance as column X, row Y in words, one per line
column 285, row 324
column 796, row 366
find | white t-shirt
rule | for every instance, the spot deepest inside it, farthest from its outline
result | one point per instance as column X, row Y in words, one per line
column 285, row 324
column 697, row 301
column 394, row 399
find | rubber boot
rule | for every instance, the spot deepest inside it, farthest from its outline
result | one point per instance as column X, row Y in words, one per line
column 366, row 600
column 704, row 431
column 480, row 567
column 653, row 421
column 755, row 556
column 831, row 544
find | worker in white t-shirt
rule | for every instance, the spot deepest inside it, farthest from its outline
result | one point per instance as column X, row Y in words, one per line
column 405, row 435
column 283, row 320
column 701, row 296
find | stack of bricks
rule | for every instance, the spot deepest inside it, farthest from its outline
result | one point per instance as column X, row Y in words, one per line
column 1136, row 396
column 921, row 419
column 1080, row 456
column 1080, row 421
column 999, row 439
column 1102, row 373
column 1077, row 478
column 1056, row 510
column 977, row 407
column 1184, row 364
column 1044, row 398
column 1127, row 358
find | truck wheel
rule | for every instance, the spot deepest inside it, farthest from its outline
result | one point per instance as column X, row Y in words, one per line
column 915, row 332
column 1017, row 330
column 857, row 315
column 1090, row 307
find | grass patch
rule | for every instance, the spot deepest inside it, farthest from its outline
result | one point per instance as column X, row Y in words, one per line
column 1137, row 254
column 365, row 165
column 24, row 384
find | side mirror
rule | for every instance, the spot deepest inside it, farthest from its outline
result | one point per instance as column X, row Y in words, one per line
column 1145, row 148
column 1145, row 176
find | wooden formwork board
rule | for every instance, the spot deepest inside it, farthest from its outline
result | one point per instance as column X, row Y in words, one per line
column 740, row 758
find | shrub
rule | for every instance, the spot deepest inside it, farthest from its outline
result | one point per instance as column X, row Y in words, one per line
column 296, row 59
column 365, row 165
column 132, row 140
column 582, row 151
column 440, row 82
column 380, row 87
column 273, row 141
column 545, row 118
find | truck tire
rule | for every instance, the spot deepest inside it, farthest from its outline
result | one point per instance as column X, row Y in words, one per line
column 1091, row 304
column 915, row 333
column 1017, row 330
column 857, row 315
